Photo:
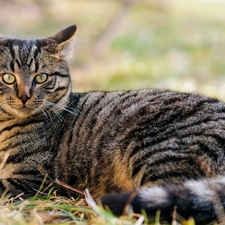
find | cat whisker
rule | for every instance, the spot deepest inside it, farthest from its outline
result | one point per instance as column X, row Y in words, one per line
column 43, row 112
column 61, row 118
column 46, row 113
column 71, row 108
column 68, row 102
column 60, row 107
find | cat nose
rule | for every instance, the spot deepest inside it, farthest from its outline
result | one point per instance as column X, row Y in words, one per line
column 24, row 98
column 23, row 93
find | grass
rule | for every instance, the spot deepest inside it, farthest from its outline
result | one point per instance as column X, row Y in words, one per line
column 57, row 210
column 167, row 44
column 48, row 210
column 53, row 210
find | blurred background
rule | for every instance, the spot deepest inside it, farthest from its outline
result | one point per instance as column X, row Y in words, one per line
column 130, row 44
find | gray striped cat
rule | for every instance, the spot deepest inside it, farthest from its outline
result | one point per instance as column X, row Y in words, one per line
column 170, row 143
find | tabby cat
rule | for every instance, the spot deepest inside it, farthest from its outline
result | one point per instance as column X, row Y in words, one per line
column 170, row 143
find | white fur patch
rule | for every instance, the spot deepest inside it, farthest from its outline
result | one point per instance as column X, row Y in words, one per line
column 201, row 188
column 156, row 195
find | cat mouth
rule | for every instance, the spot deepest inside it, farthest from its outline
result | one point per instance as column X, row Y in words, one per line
column 25, row 111
column 22, row 110
column 25, row 108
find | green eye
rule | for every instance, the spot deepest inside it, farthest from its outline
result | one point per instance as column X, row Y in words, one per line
column 41, row 78
column 8, row 78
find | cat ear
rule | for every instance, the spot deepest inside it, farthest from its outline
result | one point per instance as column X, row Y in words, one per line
column 64, row 41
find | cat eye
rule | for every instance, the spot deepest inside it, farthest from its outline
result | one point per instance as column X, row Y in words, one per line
column 40, row 78
column 8, row 78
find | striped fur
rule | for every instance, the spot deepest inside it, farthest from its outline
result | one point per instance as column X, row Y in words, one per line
column 168, row 143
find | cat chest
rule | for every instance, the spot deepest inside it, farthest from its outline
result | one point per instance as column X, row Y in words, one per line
column 11, row 138
column 7, row 138
column 22, row 149
column 8, row 148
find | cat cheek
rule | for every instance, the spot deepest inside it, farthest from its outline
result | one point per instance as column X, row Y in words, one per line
column 16, row 104
column 36, row 103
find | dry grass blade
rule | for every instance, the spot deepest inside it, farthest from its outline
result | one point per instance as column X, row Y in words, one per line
column 61, row 183
column 91, row 202
column 128, row 203
column 68, row 187
column 174, row 216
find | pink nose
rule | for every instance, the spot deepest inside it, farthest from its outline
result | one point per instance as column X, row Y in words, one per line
column 24, row 98
column 23, row 93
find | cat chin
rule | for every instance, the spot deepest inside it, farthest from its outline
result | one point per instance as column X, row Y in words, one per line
column 22, row 112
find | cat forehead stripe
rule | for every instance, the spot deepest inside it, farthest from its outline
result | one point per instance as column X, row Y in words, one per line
column 34, row 52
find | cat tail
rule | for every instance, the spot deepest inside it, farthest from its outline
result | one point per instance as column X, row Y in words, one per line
column 204, row 200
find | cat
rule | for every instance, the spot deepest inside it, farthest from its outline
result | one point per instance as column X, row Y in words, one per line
column 150, row 149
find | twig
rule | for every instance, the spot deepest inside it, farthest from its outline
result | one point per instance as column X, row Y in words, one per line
column 174, row 216
column 60, row 183
column 66, row 186
column 128, row 203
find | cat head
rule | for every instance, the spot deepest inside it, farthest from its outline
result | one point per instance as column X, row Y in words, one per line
column 34, row 74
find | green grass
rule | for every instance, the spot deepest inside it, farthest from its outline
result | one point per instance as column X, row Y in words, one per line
column 57, row 210
column 53, row 210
